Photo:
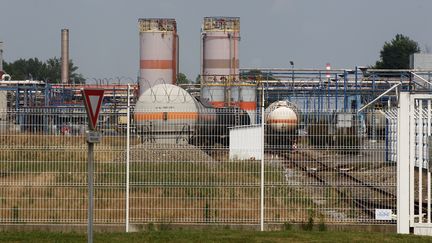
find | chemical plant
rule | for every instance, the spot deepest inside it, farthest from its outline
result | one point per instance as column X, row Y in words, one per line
column 327, row 139
column 294, row 99
column 326, row 95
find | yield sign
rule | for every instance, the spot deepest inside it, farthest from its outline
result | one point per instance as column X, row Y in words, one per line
column 92, row 100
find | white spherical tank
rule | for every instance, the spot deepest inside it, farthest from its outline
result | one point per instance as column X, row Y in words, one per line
column 282, row 117
column 158, row 52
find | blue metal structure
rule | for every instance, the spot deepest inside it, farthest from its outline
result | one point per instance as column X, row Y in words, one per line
column 359, row 87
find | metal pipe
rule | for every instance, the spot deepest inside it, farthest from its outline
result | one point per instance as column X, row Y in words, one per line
column 345, row 91
column 90, row 157
column 377, row 98
column 420, row 77
column 333, row 70
column 65, row 56
column 262, row 174
column 290, row 69
column 177, row 55
column 127, row 158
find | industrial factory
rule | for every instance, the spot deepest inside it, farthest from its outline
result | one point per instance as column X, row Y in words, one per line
column 295, row 101
column 240, row 146
column 289, row 101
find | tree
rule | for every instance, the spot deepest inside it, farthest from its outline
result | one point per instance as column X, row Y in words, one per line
column 395, row 54
column 22, row 69
column 54, row 71
column 182, row 79
column 198, row 79
column 33, row 68
column 256, row 74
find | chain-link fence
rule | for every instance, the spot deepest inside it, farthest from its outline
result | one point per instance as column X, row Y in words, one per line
column 201, row 166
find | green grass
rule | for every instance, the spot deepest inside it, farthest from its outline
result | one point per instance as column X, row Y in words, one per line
column 214, row 236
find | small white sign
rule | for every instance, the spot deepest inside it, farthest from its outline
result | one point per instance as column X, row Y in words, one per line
column 383, row 214
column 94, row 137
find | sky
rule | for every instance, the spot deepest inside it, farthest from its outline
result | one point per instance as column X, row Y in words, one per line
column 104, row 38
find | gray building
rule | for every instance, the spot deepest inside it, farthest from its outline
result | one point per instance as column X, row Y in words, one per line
column 421, row 61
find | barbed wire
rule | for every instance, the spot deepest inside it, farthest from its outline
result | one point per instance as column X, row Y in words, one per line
column 110, row 80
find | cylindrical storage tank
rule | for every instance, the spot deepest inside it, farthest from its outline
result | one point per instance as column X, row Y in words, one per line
column 169, row 114
column 282, row 117
column 158, row 52
column 247, row 101
column 235, row 95
column 219, row 52
column 213, row 95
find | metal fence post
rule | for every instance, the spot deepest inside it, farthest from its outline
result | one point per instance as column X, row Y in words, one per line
column 91, row 192
column 127, row 158
column 262, row 164
column 403, row 165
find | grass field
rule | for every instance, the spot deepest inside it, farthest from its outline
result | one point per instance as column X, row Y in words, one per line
column 43, row 179
column 214, row 236
column 42, row 175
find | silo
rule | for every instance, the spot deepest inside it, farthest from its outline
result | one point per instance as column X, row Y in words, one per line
column 219, row 58
column 247, row 100
column 158, row 52
column 213, row 95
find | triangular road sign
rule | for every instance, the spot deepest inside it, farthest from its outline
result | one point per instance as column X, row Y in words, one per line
column 93, row 100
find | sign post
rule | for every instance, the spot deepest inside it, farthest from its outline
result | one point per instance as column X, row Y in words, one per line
column 92, row 100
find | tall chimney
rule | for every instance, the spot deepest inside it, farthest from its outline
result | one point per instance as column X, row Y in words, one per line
column 1, row 56
column 65, row 56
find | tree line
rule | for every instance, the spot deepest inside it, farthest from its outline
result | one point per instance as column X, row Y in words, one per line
column 35, row 69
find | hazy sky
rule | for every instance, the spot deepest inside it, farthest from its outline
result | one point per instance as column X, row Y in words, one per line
column 104, row 41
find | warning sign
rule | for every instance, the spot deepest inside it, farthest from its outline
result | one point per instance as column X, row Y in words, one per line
column 93, row 100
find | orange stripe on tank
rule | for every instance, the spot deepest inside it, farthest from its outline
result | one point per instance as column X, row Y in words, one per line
column 156, row 64
column 169, row 116
column 218, row 104
column 247, row 105
column 286, row 121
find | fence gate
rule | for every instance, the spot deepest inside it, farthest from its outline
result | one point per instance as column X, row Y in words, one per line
column 414, row 171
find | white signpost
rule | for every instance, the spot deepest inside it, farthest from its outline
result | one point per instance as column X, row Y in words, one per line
column 92, row 100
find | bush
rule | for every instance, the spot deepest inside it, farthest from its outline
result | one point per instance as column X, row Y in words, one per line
column 310, row 223
column 287, row 226
column 322, row 226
